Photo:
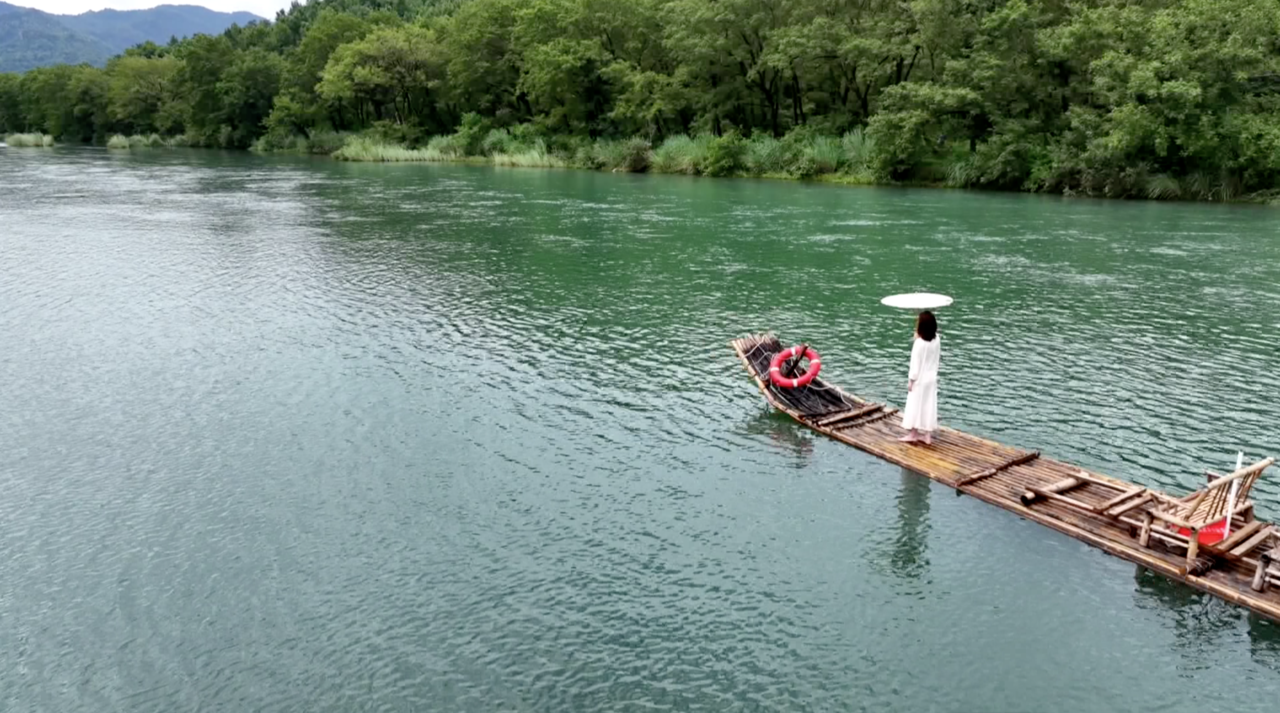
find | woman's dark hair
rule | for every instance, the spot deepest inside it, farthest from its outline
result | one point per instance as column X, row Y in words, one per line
column 927, row 326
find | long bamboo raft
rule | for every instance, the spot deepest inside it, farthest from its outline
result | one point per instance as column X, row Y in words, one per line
column 1156, row 530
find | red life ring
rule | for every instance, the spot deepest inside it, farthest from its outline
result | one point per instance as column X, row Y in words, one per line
column 775, row 368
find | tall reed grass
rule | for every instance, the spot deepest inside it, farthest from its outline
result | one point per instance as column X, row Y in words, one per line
column 29, row 140
column 531, row 156
column 361, row 148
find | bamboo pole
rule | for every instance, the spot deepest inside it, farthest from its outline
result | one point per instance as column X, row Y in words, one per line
column 1019, row 460
column 1121, row 498
column 849, row 415
column 1259, row 583
column 1062, row 486
column 1252, row 542
column 1235, row 487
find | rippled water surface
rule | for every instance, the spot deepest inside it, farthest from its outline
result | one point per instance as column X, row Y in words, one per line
column 287, row 435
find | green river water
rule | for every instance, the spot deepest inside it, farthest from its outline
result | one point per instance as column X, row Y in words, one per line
column 291, row 435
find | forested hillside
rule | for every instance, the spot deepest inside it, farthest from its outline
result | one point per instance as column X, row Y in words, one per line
column 1155, row 98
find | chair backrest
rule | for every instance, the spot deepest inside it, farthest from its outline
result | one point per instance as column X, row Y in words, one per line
column 1210, row 503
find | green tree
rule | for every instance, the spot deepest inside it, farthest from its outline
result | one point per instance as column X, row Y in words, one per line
column 204, row 60
column 248, row 88
column 12, row 118
column 139, row 93
column 482, row 64
column 299, row 106
column 392, row 75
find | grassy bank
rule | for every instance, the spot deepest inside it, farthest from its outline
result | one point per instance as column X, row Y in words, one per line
column 850, row 159
column 29, row 140
column 799, row 155
column 853, row 158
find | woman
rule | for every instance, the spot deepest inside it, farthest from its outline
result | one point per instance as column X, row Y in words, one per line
column 921, row 413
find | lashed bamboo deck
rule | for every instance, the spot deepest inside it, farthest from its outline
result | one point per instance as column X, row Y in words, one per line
column 999, row 475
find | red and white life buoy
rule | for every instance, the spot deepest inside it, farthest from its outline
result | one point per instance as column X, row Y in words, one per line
column 775, row 368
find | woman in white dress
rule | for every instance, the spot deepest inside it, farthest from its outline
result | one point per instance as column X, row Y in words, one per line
column 921, row 413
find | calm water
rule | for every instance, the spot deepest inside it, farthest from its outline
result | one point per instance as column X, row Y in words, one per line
column 288, row 435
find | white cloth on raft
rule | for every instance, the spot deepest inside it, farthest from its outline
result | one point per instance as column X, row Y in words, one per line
column 921, row 412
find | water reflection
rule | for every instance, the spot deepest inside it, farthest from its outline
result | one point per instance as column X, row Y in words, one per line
column 909, row 553
column 783, row 432
column 1201, row 622
column 903, row 553
column 1264, row 641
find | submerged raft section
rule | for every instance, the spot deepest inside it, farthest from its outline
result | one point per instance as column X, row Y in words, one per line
column 1105, row 512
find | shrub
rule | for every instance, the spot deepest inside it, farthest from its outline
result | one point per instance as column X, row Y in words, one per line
column 274, row 141
column 681, row 154
column 1163, row 187
column 119, row 141
column 449, row 147
column 325, row 142
column 629, row 155
column 603, row 154
column 534, row 156
column 962, row 172
column 471, row 134
column 497, row 141
column 804, row 167
column 765, row 154
column 726, row 155
column 858, row 148
column 390, row 132
column 636, row 154
column 825, row 153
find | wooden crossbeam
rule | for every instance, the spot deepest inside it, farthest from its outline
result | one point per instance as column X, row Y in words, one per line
column 1251, row 543
column 1138, row 490
column 1240, row 535
column 867, row 421
column 849, row 415
column 1126, row 507
column 1114, row 485
column 1016, row 460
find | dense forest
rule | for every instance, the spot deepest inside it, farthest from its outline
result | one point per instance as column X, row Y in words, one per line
column 1149, row 98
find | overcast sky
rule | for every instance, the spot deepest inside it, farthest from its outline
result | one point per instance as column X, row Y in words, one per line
column 264, row 8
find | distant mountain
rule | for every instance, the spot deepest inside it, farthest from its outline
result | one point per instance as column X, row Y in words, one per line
column 122, row 29
column 31, row 38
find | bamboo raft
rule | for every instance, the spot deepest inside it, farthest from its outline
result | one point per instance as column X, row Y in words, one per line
column 1161, row 532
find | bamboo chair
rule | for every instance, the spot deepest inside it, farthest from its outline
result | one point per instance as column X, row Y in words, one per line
column 1199, row 519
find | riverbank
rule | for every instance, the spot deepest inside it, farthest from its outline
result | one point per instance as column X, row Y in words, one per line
column 850, row 159
column 799, row 156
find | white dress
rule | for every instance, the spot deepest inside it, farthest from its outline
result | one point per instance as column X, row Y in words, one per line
column 921, row 412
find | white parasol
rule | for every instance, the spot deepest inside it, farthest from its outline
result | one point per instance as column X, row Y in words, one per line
column 916, row 301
